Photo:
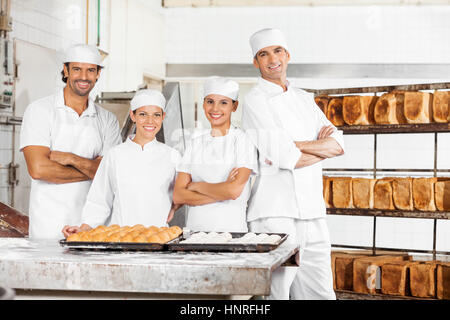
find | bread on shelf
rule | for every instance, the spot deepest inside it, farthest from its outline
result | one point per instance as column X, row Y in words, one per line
column 363, row 192
column 442, row 195
column 327, row 192
column 441, row 106
column 358, row 110
column 334, row 111
column 443, row 281
column 342, row 192
column 423, row 194
column 382, row 194
column 322, row 103
column 385, row 110
column 395, row 278
column 402, row 193
column 367, row 272
column 423, row 279
column 417, row 107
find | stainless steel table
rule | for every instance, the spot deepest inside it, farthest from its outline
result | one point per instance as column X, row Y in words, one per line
column 45, row 265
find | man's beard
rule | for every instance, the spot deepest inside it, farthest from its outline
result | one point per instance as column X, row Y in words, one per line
column 78, row 92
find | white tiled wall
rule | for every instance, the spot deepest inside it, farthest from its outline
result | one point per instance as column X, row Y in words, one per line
column 344, row 34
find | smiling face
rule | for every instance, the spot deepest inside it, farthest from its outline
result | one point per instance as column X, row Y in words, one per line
column 148, row 121
column 81, row 77
column 272, row 62
column 218, row 111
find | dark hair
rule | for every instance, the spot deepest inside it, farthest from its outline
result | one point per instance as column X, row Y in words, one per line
column 64, row 78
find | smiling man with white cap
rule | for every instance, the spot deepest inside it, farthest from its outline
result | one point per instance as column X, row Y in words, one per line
column 134, row 183
column 63, row 138
column 293, row 136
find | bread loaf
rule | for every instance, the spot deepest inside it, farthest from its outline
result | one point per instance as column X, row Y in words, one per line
column 367, row 272
column 402, row 193
column 395, row 278
column 334, row 111
column 423, row 194
column 344, row 270
column 382, row 195
column 342, row 192
column 417, row 107
column 358, row 110
column 423, row 279
column 443, row 281
column 327, row 196
column 400, row 106
column 363, row 192
column 322, row 102
column 442, row 195
column 385, row 110
column 441, row 106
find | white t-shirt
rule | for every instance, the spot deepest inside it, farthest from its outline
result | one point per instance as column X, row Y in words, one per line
column 210, row 159
column 133, row 185
column 49, row 122
column 273, row 120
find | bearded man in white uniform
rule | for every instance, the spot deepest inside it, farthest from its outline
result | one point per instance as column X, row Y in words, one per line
column 63, row 138
column 293, row 136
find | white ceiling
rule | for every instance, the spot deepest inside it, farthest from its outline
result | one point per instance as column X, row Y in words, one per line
column 229, row 3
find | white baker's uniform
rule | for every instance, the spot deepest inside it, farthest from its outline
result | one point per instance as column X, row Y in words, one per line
column 211, row 159
column 49, row 122
column 133, row 185
column 285, row 199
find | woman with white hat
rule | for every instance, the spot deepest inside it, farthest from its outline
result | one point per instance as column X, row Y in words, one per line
column 213, row 175
column 134, row 182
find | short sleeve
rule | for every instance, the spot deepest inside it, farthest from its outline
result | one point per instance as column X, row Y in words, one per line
column 185, row 162
column 111, row 135
column 246, row 154
column 36, row 126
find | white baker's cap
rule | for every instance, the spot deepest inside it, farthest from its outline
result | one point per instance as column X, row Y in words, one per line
column 266, row 38
column 222, row 86
column 148, row 97
column 83, row 53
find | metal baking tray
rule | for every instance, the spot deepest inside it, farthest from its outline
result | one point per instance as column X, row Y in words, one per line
column 115, row 246
column 175, row 245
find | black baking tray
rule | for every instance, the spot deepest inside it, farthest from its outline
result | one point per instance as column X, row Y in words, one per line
column 115, row 246
column 175, row 245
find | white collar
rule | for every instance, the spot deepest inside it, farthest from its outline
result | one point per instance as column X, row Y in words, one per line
column 129, row 141
column 60, row 103
column 271, row 87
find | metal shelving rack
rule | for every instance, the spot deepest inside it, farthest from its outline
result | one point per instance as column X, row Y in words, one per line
column 376, row 129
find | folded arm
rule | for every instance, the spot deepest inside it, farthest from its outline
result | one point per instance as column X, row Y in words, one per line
column 84, row 165
column 325, row 146
column 182, row 195
column 41, row 167
column 231, row 189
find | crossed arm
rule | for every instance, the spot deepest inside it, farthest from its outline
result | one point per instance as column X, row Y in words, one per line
column 201, row 193
column 58, row 167
column 318, row 150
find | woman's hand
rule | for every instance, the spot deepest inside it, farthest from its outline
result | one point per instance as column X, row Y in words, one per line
column 69, row 230
column 232, row 175
column 325, row 132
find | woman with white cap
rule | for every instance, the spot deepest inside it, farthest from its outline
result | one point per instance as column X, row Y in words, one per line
column 63, row 138
column 213, row 175
column 134, row 182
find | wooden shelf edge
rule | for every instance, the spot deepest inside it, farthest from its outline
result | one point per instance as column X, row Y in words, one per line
column 441, row 215
column 396, row 128
column 351, row 295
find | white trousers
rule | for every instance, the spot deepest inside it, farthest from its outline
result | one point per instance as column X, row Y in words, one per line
column 313, row 280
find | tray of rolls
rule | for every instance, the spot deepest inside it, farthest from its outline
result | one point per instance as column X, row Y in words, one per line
column 127, row 238
column 227, row 241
